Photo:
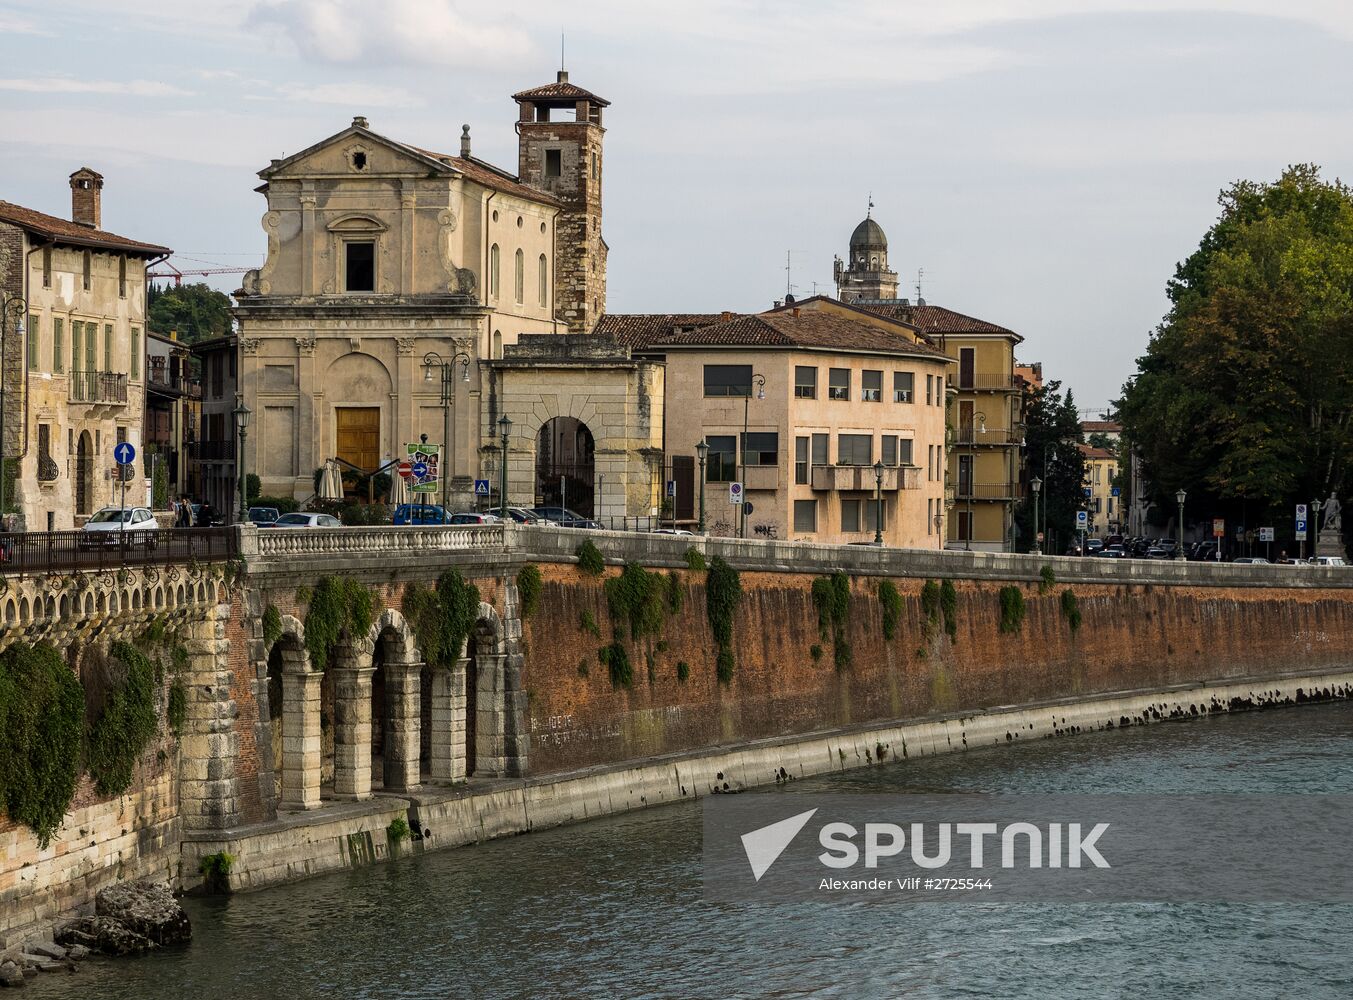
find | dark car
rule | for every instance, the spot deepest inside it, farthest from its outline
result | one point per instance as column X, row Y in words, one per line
column 264, row 516
column 565, row 518
column 421, row 513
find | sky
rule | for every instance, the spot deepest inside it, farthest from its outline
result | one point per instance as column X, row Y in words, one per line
column 1045, row 163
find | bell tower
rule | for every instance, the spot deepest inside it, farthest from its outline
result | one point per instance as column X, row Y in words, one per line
column 559, row 152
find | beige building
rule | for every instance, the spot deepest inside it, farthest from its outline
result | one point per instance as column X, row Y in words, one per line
column 74, row 385
column 824, row 392
column 386, row 261
column 1101, row 503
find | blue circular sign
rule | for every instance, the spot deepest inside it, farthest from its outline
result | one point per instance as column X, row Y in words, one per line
column 420, row 469
column 124, row 453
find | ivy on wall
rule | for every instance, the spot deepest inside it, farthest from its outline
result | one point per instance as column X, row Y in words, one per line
column 617, row 660
column 723, row 592
column 528, row 589
column 1071, row 609
column 1012, row 609
column 636, row 599
column 339, row 604
column 891, row 603
column 695, row 560
column 127, row 724
column 831, row 595
column 1047, row 579
column 949, row 607
column 272, row 625
column 676, row 593
column 590, row 560
column 442, row 617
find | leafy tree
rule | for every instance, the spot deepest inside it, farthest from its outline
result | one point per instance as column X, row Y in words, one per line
column 1245, row 394
column 1052, row 435
column 196, row 311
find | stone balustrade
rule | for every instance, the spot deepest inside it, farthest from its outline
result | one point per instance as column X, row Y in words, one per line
column 275, row 542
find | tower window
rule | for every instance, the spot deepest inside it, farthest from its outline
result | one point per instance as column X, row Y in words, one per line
column 554, row 162
column 542, row 279
column 361, row 266
column 493, row 270
column 594, row 166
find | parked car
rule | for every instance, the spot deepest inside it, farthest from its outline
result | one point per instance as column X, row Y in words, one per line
column 1156, row 552
column 1328, row 561
column 421, row 513
column 523, row 516
column 264, row 517
column 475, row 517
column 1252, row 561
column 115, row 525
column 1093, row 546
column 215, row 516
column 680, row 531
column 1111, row 552
column 565, row 518
column 307, row 520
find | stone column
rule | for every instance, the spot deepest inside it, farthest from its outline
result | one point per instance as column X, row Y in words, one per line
column 208, row 793
column 301, row 751
column 448, row 723
column 402, row 741
column 490, row 716
column 352, row 732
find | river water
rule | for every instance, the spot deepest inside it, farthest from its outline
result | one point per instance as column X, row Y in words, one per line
column 614, row 908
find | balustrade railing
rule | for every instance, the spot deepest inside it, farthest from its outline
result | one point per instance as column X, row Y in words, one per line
column 387, row 540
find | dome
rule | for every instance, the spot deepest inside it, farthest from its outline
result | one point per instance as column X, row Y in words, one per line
column 868, row 235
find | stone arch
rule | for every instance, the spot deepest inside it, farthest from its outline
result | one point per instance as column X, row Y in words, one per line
column 394, row 702
column 50, row 608
column 89, row 602
column 221, row 595
column 11, row 611
column 113, row 605
column 565, row 464
column 102, row 603
column 294, row 716
column 179, row 594
column 65, row 606
column 491, row 688
column 24, row 609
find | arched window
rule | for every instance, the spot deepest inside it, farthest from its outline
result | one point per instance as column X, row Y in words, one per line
column 497, row 349
column 493, row 270
column 521, row 276
column 543, row 281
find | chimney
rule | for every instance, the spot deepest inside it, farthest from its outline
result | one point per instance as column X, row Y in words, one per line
column 359, row 122
column 563, row 76
column 796, row 312
column 465, row 141
column 86, row 187
column 725, row 316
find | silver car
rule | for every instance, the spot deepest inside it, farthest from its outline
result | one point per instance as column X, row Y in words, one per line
column 118, row 525
column 307, row 520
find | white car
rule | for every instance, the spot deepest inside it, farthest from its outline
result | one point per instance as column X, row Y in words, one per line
column 115, row 525
column 1328, row 561
column 305, row 520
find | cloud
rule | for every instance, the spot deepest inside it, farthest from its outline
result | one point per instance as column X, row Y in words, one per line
column 431, row 32
column 65, row 85
column 354, row 95
column 16, row 24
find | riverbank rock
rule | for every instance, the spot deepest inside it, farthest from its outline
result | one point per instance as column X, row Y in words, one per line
column 145, row 908
column 10, row 974
column 103, row 934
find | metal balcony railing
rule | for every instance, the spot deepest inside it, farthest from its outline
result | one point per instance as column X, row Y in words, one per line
column 98, row 387
column 974, row 435
column 985, row 491
column 36, row 552
column 214, row 451
column 984, row 382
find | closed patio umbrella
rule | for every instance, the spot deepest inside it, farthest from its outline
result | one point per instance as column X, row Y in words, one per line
column 399, row 491
column 331, row 483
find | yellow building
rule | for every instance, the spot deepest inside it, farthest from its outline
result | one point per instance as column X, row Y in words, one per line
column 1104, row 508
column 74, row 385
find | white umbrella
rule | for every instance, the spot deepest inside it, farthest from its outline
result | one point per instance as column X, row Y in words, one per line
column 399, row 491
column 331, row 483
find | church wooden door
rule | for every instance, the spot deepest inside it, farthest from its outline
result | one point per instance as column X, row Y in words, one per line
column 359, row 435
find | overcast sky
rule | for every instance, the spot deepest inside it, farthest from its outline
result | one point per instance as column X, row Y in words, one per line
column 1045, row 161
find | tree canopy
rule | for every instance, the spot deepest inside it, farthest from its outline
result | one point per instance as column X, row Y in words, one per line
column 1245, row 393
column 1052, row 435
column 196, row 311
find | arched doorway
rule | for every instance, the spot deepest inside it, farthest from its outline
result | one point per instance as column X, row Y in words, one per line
column 84, row 474
column 565, row 465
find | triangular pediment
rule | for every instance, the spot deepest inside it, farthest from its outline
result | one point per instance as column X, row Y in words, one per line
column 354, row 152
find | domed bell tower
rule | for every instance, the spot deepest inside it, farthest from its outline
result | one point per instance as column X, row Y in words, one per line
column 559, row 152
column 865, row 275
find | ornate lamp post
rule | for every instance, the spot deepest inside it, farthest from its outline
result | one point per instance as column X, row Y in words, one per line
column 17, row 307
column 939, row 526
column 1179, row 548
column 1036, row 485
column 432, row 360
column 759, row 381
column 878, row 502
column 505, row 432
column 702, row 453
column 242, row 415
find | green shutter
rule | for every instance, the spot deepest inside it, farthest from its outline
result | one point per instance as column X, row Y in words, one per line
column 108, row 347
column 34, row 338
column 136, row 354
column 58, row 345
column 77, row 330
column 91, row 347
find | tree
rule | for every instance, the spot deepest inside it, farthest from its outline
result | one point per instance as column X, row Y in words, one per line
column 1245, row 393
column 1052, row 435
column 196, row 312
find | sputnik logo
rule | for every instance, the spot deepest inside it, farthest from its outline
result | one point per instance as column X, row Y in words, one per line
column 765, row 845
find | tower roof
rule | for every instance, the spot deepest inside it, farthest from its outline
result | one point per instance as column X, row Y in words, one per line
column 868, row 235
column 560, row 91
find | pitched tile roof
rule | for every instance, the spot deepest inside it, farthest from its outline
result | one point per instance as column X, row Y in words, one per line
column 1101, row 426
column 1099, row 453
column 809, row 329
column 64, row 231
column 642, row 329
column 560, row 91
column 490, row 176
column 934, row 319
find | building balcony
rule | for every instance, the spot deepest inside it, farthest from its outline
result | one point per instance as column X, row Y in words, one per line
column 214, row 451
column 856, row 478
column 982, row 382
column 985, row 491
column 98, row 387
column 762, row 477
column 160, row 381
column 969, row 436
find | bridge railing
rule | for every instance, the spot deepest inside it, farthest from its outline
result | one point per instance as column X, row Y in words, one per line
column 30, row 553
column 384, row 539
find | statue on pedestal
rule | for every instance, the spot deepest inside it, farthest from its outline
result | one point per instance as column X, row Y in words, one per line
column 1330, row 541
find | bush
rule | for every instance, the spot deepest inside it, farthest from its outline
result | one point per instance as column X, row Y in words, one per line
column 695, row 559
column 253, row 486
column 590, row 560
column 1047, row 579
column 397, row 830
column 1012, row 609
column 127, row 724
column 1071, row 609
column 160, row 486
column 891, row 602
column 528, row 589
column 284, row 505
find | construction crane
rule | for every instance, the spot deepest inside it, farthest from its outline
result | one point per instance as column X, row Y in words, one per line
column 178, row 275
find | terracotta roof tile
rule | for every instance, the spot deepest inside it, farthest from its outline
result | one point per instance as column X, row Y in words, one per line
column 811, row 328
column 1101, row 453
column 642, row 329
column 65, row 231
column 490, row 176
column 560, row 91
column 933, row 319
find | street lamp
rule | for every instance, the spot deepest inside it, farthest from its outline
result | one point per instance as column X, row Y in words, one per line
column 1036, row 485
column 505, row 431
column 702, row 452
column 981, row 420
column 433, row 360
column 878, row 502
column 18, row 307
column 759, row 381
column 242, row 415
column 939, row 524
column 1179, row 550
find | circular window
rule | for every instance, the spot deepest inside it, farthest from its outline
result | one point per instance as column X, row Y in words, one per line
column 519, row 222
column 542, row 227
column 495, row 215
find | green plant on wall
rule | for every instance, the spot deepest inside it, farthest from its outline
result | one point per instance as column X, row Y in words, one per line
column 695, row 560
column 831, row 595
column 1012, row 609
column 930, row 609
column 683, row 671
column 176, row 713
column 443, row 616
column 1071, row 609
column 42, row 713
column 636, row 599
column 1047, row 579
column 891, row 603
column 215, row 871
column 949, row 607
column 127, row 724
column 528, row 589
column 676, row 593
column 616, row 659
column 160, row 486
column 272, row 625
column 588, row 623
column 397, row 830
column 339, row 604
column 723, row 592
column 590, row 560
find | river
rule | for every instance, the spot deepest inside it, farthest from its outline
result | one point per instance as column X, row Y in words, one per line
column 613, row 908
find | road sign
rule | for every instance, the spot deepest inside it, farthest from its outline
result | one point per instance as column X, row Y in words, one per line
column 1082, row 520
column 1301, row 512
column 1088, row 491
column 1266, row 534
column 124, row 453
column 735, row 493
column 405, row 469
column 481, row 487
column 1301, row 529
column 671, row 487
column 747, row 508
column 1218, row 527
column 1116, row 491
column 420, row 469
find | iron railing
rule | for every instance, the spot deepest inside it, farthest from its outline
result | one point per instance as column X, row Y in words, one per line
column 982, row 380
column 31, row 553
column 98, row 387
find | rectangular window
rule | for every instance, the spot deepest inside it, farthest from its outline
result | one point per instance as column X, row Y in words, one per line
column 554, row 162
column 231, row 356
column 904, row 451
column 929, row 389
column 966, row 367
column 805, row 515
column 122, row 277
column 819, row 449
column 46, row 267
column 871, row 387
column 728, row 380
column 360, row 266
column 889, row 449
column 902, row 386
column 88, row 267
column 594, row 166
column 805, row 382
column 723, row 460
column 800, row 460
column 108, row 347
column 854, row 449
column 929, row 516
column 136, row 354
column 874, row 511
column 217, row 376
column 542, row 281
column 34, row 342
column 58, row 345
column 838, row 383
column 930, row 463
column 850, row 515
column 77, row 330
column 761, row 448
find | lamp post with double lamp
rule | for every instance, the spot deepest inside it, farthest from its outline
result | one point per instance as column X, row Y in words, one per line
column 432, row 360
column 1036, row 485
column 939, row 524
column 759, row 381
column 16, row 306
column 242, row 415
column 1314, row 530
column 878, row 502
column 505, row 432
column 702, row 453
column 980, row 421
column 1179, row 546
